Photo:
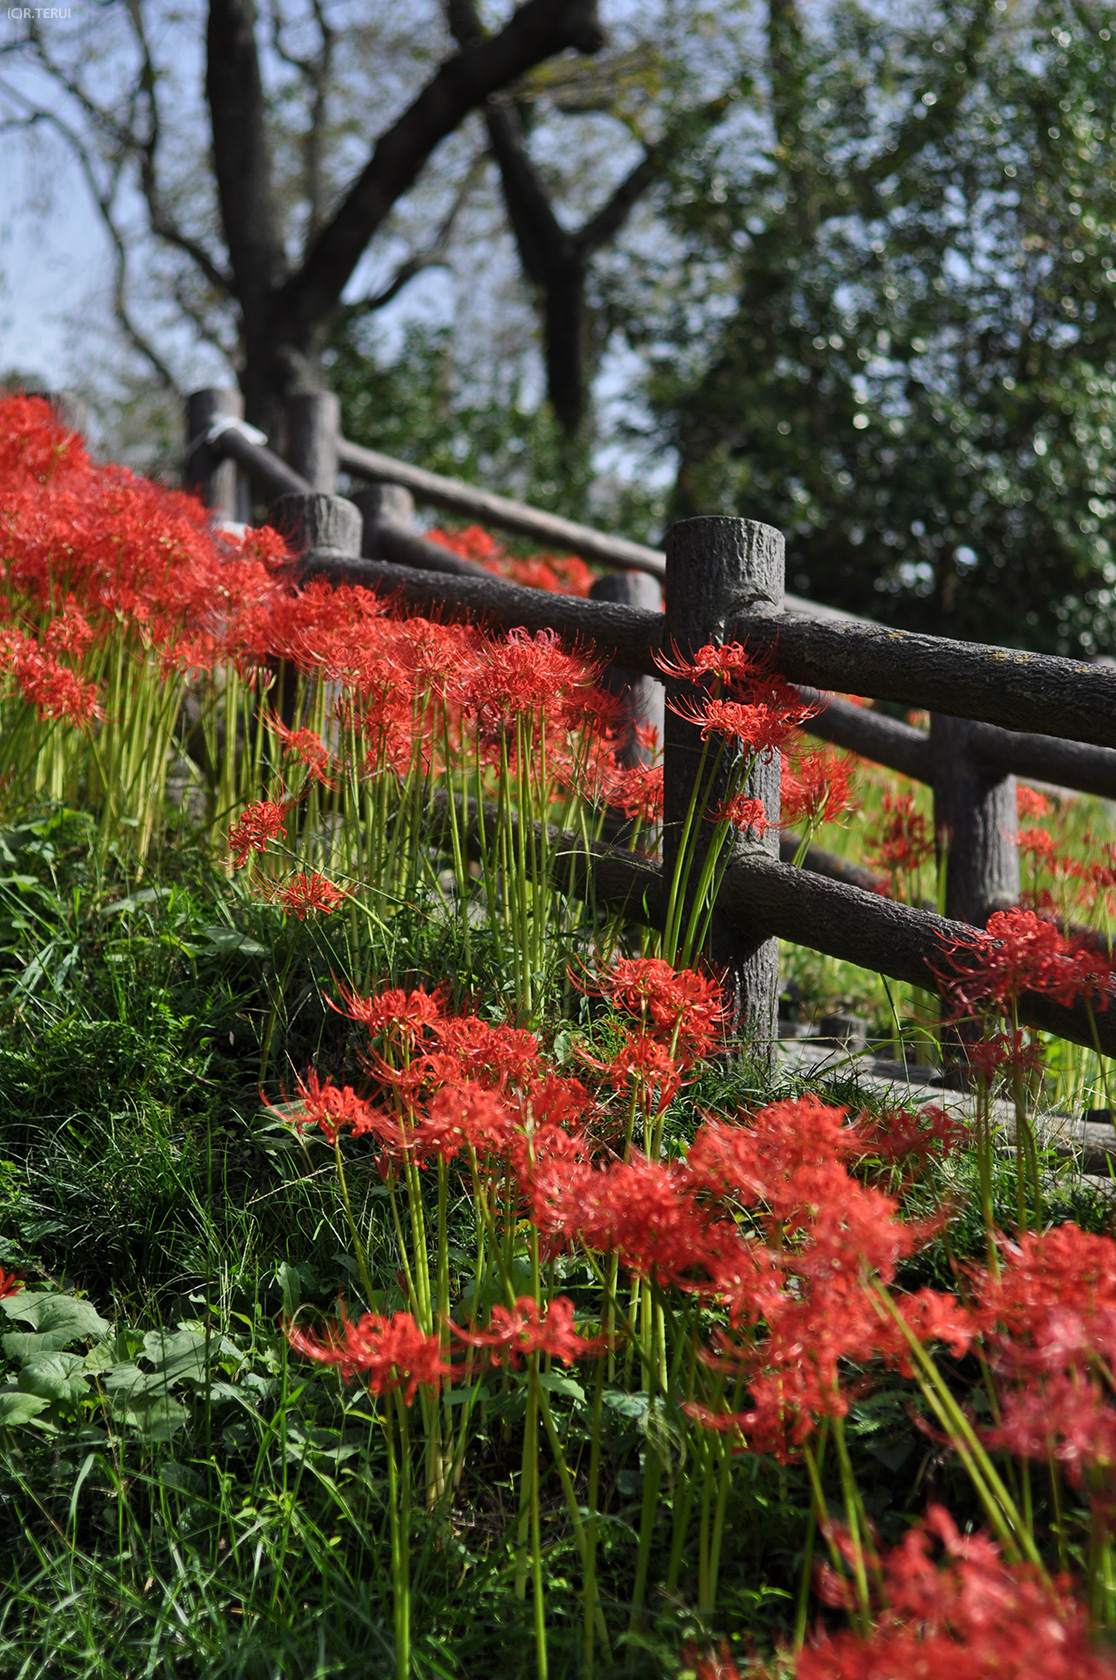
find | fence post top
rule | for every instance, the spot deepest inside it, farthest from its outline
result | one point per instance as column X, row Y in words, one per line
column 316, row 520
column 718, row 566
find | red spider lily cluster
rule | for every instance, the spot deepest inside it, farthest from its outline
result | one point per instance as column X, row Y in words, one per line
column 793, row 1279
column 100, row 564
column 89, row 546
column 963, row 1614
column 738, row 697
column 303, row 893
column 1049, row 1321
column 968, row 1616
column 901, row 843
column 560, row 574
column 1019, row 952
column 772, row 1246
column 816, row 789
column 387, row 1353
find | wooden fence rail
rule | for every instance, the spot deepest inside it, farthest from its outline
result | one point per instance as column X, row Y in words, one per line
column 995, row 712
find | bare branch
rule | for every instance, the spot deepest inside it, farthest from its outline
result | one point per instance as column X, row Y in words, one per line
column 537, row 30
column 104, row 197
column 433, row 255
column 162, row 223
column 318, row 73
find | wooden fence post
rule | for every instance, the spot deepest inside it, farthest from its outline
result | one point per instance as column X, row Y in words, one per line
column 382, row 504
column 642, row 698
column 975, row 816
column 314, row 521
column 313, row 422
column 70, row 410
column 317, row 521
column 716, row 568
column 211, row 477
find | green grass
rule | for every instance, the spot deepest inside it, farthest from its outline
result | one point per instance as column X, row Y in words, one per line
column 190, row 1500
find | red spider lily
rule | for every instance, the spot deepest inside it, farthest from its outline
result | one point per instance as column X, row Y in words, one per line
column 743, row 813
column 753, row 1160
column 644, row 1062
column 394, row 1014
column 971, row 1618
column 1038, row 845
column 10, row 1283
column 69, row 632
column 1049, row 1321
column 903, row 841
column 762, row 725
column 495, row 1051
column 636, row 790
column 1067, row 1418
column 642, row 1210
column 750, row 704
column 338, row 1108
column 684, row 1008
column 53, row 689
column 561, row 574
column 524, row 1329
column 307, row 746
column 827, row 1236
column 728, row 662
column 1019, row 952
column 991, row 1054
column 524, row 674
column 815, row 788
column 1066, row 1270
column 389, row 1353
column 1029, row 802
column 714, row 1665
column 464, row 1115
column 34, row 445
column 301, row 894
column 903, row 1134
column 259, row 825
column 119, row 550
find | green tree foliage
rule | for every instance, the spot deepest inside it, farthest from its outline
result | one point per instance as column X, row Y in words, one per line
column 420, row 400
column 889, row 323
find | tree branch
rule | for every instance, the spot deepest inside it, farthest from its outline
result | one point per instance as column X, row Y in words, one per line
column 318, row 73
column 433, row 255
column 162, row 224
column 537, row 30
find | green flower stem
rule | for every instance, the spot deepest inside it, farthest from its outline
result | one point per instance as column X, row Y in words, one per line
column 579, row 1532
column 358, row 1246
column 1001, row 1509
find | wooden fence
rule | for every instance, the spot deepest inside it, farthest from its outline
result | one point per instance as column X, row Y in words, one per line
column 995, row 712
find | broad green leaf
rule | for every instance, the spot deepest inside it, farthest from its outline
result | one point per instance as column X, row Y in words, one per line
column 147, row 895
column 132, row 1383
column 55, row 1376
column 177, row 1353
column 155, row 1417
column 226, row 941
column 555, row 1383
column 47, row 1311
column 17, row 1408
column 628, row 1405
column 26, row 1344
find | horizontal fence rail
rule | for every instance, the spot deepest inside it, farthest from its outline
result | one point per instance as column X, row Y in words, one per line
column 899, row 746
column 961, row 679
column 995, row 712
column 500, row 511
column 769, row 898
